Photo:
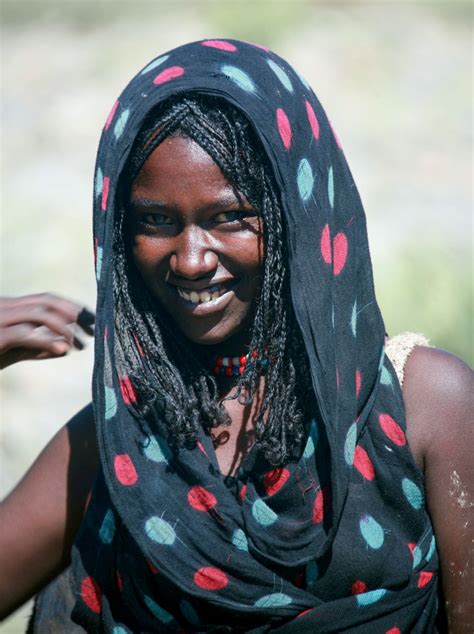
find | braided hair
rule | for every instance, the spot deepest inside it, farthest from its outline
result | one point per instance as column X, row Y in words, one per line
column 168, row 372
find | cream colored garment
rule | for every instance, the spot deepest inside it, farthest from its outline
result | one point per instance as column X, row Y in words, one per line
column 399, row 348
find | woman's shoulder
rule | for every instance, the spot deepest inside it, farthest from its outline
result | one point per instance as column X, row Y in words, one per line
column 438, row 390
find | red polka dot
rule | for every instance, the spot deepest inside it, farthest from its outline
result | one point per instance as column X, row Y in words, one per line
column 243, row 492
column 91, row 594
column 210, row 578
column 340, row 252
column 88, row 500
column 125, row 471
column 201, row 499
column 304, row 612
column 412, row 548
column 392, row 430
column 358, row 379
column 326, row 245
column 313, row 121
column 424, row 578
column 339, row 144
column 111, row 115
column 152, row 567
column 363, row 463
column 284, row 127
column 168, row 74
column 393, row 630
column 358, row 587
column 119, row 581
column 264, row 48
column 105, row 193
column 220, row 44
column 128, row 391
column 273, row 480
column 318, row 507
column 201, row 448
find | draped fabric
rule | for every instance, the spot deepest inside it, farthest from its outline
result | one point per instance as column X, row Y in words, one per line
column 339, row 538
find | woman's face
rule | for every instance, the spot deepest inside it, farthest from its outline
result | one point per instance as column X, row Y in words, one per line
column 198, row 249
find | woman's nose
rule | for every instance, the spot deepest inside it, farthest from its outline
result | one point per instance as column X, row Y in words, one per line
column 193, row 256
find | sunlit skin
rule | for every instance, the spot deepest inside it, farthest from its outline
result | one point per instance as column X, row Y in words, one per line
column 190, row 232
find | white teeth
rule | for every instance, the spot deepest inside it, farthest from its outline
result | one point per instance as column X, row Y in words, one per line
column 201, row 297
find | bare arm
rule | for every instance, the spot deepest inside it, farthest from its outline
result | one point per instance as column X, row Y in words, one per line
column 439, row 399
column 40, row 518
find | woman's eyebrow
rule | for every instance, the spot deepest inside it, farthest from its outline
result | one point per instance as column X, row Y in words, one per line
column 226, row 202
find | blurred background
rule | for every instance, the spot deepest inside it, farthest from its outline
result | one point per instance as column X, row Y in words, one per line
column 394, row 76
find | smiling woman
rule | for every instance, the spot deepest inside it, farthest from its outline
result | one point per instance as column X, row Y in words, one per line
column 256, row 471
column 198, row 248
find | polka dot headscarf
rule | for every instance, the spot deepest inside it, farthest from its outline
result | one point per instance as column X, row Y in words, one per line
column 337, row 540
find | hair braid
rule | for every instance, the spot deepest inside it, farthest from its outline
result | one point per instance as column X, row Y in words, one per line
column 173, row 385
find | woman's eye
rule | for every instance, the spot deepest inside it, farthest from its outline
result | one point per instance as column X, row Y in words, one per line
column 156, row 220
column 232, row 216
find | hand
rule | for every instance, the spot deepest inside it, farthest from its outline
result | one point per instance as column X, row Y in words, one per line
column 39, row 327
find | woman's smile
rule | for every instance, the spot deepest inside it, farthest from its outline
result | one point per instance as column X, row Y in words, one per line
column 197, row 243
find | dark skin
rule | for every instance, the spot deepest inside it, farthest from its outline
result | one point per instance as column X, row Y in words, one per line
column 196, row 245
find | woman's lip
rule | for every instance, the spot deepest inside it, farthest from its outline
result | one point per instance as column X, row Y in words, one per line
column 207, row 308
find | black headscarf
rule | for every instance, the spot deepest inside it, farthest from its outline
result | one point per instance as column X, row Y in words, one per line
column 336, row 540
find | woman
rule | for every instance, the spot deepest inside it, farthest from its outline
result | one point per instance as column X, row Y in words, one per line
column 255, row 473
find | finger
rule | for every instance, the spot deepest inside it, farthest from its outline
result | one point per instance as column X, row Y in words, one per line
column 28, row 336
column 40, row 317
column 44, row 301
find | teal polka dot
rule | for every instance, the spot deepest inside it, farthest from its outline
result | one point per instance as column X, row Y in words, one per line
column 263, row 514
column 280, row 73
column 412, row 493
column 99, row 182
column 385, row 376
column 416, row 556
column 121, row 123
column 154, row 64
column 354, row 319
column 157, row 449
column 303, row 80
column 241, row 79
column 98, row 262
column 239, row 539
column 372, row 532
column 367, row 598
column 350, row 443
column 431, row 549
column 189, row 613
column 110, row 402
column 312, row 573
column 275, row 600
column 160, row 613
column 160, row 531
column 312, row 441
column 107, row 530
column 305, row 179
column 331, row 187
column 118, row 629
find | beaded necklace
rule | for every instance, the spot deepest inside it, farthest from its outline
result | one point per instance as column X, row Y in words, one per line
column 235, row 366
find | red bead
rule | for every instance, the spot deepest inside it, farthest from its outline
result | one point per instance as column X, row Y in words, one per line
column 228, row 371
column 241, row 370
column 254, row 354
column 219, row 361
column 243, row 359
